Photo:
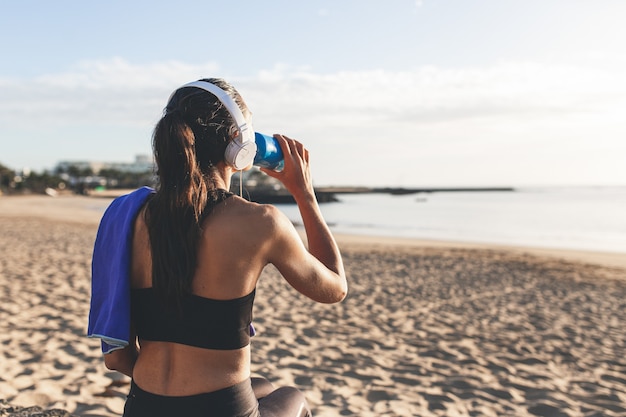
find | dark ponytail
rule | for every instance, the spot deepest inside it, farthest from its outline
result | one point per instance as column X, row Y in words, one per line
column 188, row 142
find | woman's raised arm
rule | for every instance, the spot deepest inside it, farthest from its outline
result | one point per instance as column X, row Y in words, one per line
column 318, row 272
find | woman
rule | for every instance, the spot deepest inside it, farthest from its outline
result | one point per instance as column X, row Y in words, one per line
column 197, row 253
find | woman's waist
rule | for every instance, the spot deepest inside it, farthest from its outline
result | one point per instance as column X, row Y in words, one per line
column 171, row 369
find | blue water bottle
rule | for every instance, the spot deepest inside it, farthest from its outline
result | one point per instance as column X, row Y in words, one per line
column 268, row 152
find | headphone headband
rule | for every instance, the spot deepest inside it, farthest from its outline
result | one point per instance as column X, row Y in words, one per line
column 241, row 150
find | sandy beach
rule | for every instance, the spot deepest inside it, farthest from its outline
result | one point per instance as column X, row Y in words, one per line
column 428, row 328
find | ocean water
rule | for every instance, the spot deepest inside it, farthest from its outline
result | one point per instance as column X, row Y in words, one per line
column 580, row 218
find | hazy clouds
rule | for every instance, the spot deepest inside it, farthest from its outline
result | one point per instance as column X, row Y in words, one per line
column 408, row 119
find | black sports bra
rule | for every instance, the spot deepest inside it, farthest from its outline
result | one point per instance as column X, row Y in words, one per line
column 204, row 323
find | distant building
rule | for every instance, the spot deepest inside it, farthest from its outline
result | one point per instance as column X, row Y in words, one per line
column 142, row 163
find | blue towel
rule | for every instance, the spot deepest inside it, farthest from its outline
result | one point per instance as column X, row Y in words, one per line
column 109, row 316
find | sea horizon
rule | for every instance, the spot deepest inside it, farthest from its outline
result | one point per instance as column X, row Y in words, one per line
column 586, row 218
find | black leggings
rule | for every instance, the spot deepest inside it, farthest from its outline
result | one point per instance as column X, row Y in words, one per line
column 240, row 400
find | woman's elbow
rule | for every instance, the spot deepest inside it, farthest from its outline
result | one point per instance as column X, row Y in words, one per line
column 336, row 296
column 341, row 296
column 119, row 361
column 113, row 361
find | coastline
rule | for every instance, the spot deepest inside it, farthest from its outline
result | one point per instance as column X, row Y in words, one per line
column 89, row 209
column 612, row 259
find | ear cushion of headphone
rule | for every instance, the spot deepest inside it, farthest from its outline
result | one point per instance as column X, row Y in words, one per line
column 240, row 155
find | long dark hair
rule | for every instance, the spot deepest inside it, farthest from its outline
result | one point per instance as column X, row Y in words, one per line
column 188, row 142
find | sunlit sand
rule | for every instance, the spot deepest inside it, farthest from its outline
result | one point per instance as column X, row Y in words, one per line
column 428, row 328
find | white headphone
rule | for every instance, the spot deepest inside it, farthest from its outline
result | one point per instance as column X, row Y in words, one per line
column 241, row 150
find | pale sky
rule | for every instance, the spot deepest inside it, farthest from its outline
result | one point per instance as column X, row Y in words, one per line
column 383, row 93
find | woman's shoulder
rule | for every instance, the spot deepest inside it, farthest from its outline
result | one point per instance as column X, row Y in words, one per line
column 267, row 214
column 247, row 228
column 249, row 215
